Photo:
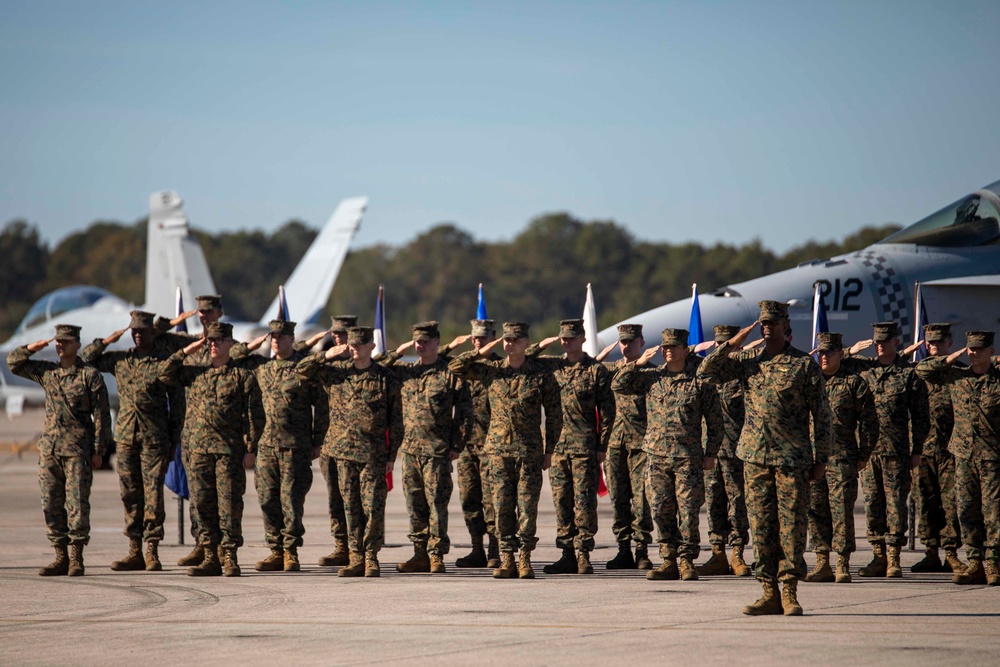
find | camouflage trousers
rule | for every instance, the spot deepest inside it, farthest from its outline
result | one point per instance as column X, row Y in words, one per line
column 427, row 485
column 517, row 484
column 676, row 489
column 831, row 509
column 937, row 508
column 142, row 468
column 574, row 481
column 778, row 507
column 727, row 505
column 625, row 475
column 475, row 493
column 886, row 484
column 65, row 483
column 338, row 522
column 283, row 477
column 186, row 462
column 364, row 490
column 217, row 483
column 977, row 486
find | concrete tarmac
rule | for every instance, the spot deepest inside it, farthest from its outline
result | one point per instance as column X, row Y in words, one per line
column 462, row 617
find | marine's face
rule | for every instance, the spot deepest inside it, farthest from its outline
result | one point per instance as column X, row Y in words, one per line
column 339, row 337
column 478, row 342
column 673, row 353
column 208, row 316
column 427, row 350
column 631, row 349
column 282, row 344
column 515, row 346
column 361, row 351
column 829, row 360
column 142, row 337
column 980, row 356
column 219, row 347
column 67, row 348
column 941, row 348
column 887, row 348
column 774, row 331
column 573, row 345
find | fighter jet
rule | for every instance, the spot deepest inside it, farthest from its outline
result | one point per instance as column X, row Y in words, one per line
column 175, row 260
column 954, row 254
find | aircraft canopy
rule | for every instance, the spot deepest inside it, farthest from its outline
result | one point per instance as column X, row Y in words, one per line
column 61, row 301
column 973, row 220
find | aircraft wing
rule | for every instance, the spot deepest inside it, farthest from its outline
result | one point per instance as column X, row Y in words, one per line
column 308, row 289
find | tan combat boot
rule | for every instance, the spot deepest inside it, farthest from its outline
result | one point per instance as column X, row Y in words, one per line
column 769, row 602
column 273, row 563
column 493, row 553
column 893, row 570
column 524, row 569
column 372, row 568
column 822, row 572
column 230, row 564
column 642, row 561
column 152, row 558
column 623, row 560
column 59, row 567
column 355, row 566
column 583, row 565
column 716, row 564
column 507, row 569
column 992, row 572
column 931, row 562
column 339, row 556
column 789, row 598
column 738, row 565
column 196, row 557
column 687, row 571
column 437, row 564
column 667, row 570
column 878, row 564
column 844, row 569
column 952, row 563
column 134, row 559
column 291, row 563
column 209, row 566
column 974, row 574
column 419, row 562
column 75, row 561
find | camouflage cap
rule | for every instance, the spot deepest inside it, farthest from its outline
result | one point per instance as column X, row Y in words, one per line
column 724, row 332
column 628, row 332
column 281, row 327
column 209, row 302
column 673, row 337
column 67, row 332
column 484, row 327
column 937, row 332
column 426, row 331
column 829, row 341
column 218, row 330
column 141, row 320
column 570, row 328
column 885, row 331
column 515, row 330
column 360, row 335
column 341, row 323
column 773, row 311
column 977, row 339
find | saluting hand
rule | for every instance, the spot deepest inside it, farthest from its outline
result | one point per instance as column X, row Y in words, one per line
column 603, row 354
column 335, row 351
column 39, row 345
column 485, row 350
column 183, row 316
column 257, row 342
column 548, row 341
column 704, row 345
column 646, row 355
column 404, row 347
column 741, row 335
column 752, row 345
column 459, row 340
column 113, row 338
column 860, row 346
column 193, row 347
column 953, row 357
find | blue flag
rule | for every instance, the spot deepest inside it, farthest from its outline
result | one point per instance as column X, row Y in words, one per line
column 481, row 308
column 176, row 479
column 820, row 323
column 695, row 333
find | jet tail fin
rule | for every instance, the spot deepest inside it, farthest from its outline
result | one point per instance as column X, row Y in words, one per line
column 308, row 289
column 174, row 258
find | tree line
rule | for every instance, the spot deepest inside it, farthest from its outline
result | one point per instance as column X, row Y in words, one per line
column 539, row 276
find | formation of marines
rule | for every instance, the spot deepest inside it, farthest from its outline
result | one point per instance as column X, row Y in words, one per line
column 772, row 440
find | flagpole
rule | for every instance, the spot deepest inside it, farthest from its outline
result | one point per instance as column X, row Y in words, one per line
column 815, row 312
column 916, row 316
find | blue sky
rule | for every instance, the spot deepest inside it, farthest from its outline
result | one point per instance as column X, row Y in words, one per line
column 680, row 120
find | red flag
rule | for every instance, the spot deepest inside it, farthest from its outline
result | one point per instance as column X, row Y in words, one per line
column 602, row 488
column 388, row 475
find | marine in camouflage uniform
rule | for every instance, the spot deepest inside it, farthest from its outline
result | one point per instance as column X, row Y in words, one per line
column 223, row 421
column 724, row 496
column 474, row 489
column 625, row 463
column 677, row 402
column 364, row 435
column 150, row 419
column 296, row 416
column 76, row 435
column 901, row 402
column 588, row 411
column 855, row 432
column 436, row 412
column 782, row 388
column 937, row 509
column 518, row 389
column 975, row 443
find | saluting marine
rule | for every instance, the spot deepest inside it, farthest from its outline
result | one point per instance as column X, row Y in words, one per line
column 76, row 436
column 149, row 424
